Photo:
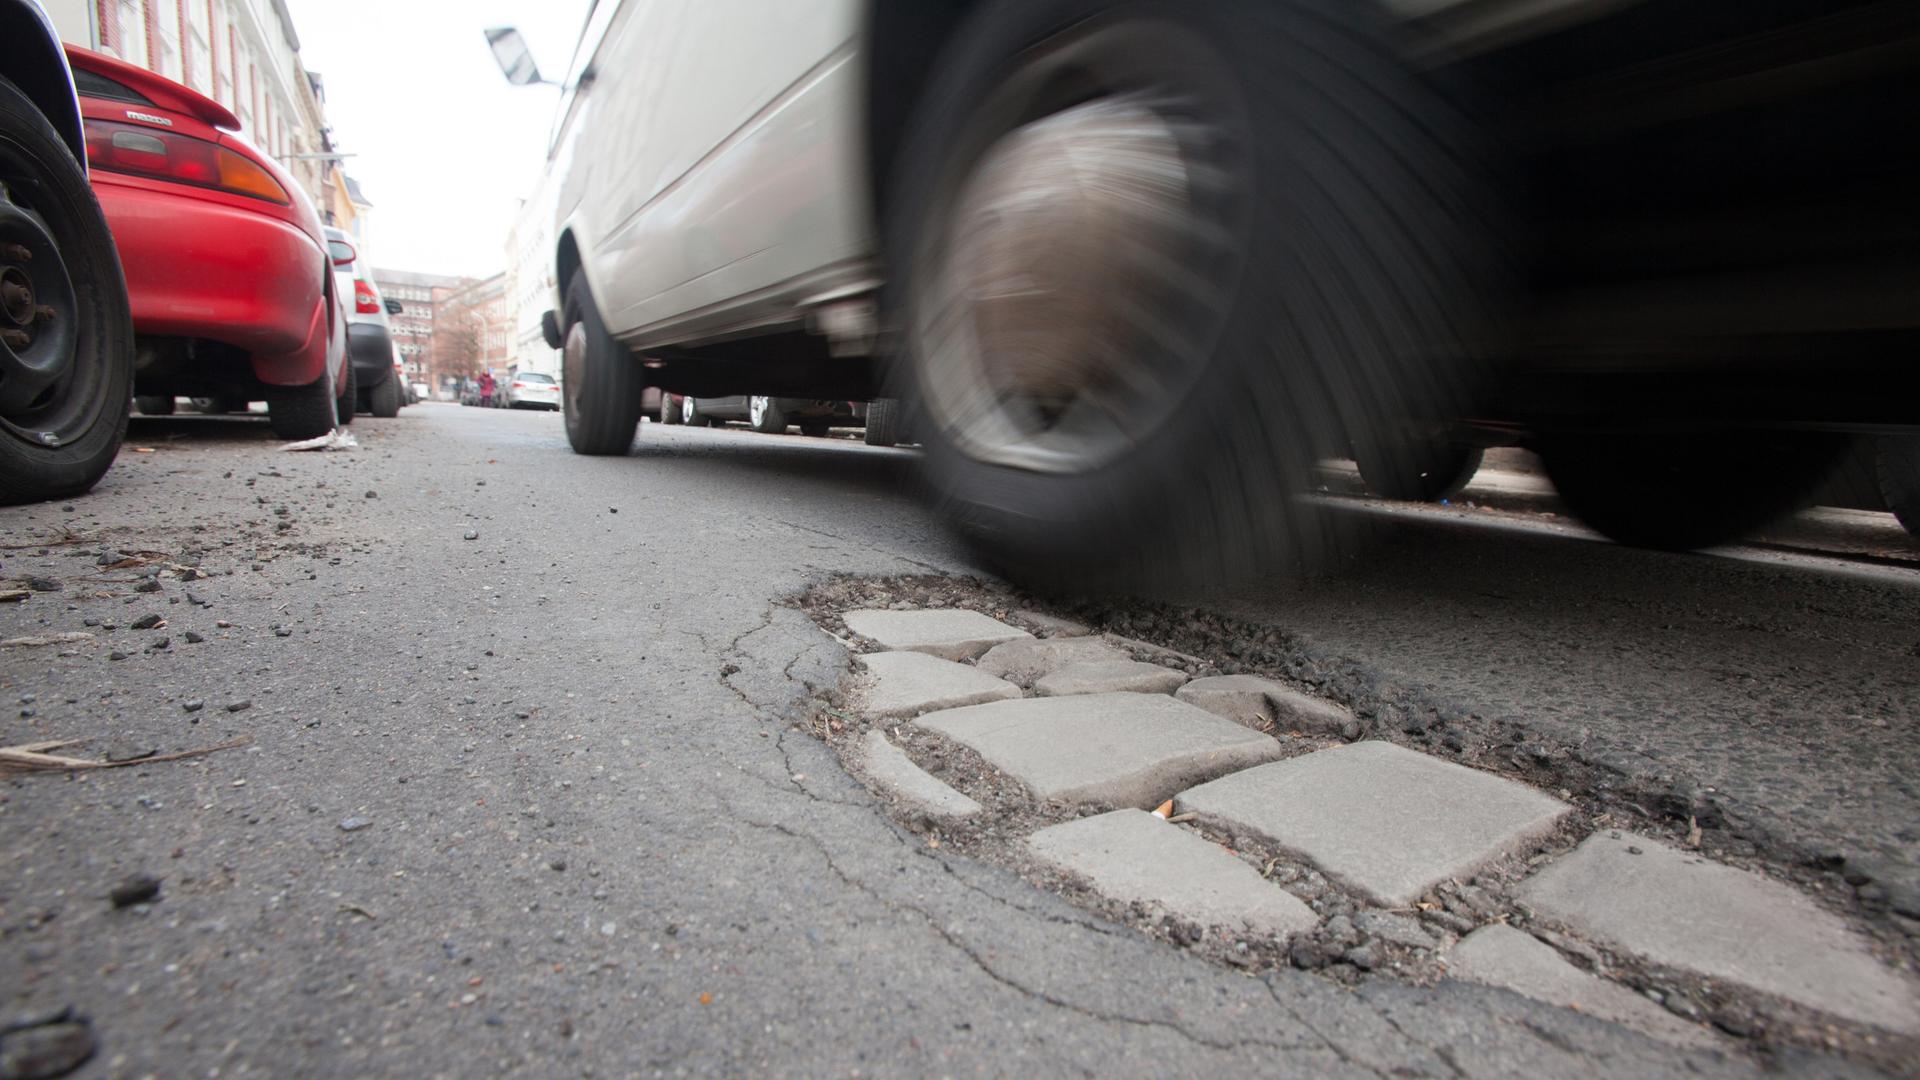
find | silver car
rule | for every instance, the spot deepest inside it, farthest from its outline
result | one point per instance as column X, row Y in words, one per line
column 532, row 390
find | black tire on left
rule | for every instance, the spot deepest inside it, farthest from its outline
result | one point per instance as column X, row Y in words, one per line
column 302, row 412
column 62, row 426
column 1339, row 261
column 349, row 395
column 604, row 382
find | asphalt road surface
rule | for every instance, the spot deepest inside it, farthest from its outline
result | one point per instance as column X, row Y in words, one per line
column 523, row 790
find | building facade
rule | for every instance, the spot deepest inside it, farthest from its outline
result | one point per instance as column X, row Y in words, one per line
column 530, row 284
column 413, row 329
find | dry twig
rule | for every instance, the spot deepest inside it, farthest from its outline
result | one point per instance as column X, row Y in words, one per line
column 38, row 757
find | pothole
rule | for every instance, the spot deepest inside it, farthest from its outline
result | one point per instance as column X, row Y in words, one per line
column 1354, row 940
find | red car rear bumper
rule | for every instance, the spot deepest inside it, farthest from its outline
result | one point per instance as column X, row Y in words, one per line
column 206, row 269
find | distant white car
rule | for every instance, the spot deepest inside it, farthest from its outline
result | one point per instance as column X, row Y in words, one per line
column 532, row 390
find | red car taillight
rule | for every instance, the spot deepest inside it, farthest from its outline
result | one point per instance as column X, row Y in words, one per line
column 169, row 155
column 365, row 300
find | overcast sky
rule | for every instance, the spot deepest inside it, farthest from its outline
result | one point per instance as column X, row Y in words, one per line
column 443, row 145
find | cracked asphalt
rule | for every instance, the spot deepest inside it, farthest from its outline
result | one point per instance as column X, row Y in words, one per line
column 597, row 842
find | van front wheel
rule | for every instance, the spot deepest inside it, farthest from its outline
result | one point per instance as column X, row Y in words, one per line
column 604, row 381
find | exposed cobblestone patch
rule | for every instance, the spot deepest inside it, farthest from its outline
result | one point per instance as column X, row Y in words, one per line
column 1499, row 955
column 1133, row 856
column 1682, row 910
column 1255, row 700
column 1355, row 941
column 1108, row 677
column 949, row 633
column 1388, row 821
column 1027, row 662
column 1119, row 749
column 906, row 684
column 885, row 764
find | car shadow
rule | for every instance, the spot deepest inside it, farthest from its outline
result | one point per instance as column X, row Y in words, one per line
column 796, row 458
column 235, row 428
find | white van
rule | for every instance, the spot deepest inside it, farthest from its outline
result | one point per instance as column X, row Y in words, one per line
column 1134, row 267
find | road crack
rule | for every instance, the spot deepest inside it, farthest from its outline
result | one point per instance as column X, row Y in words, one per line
column 986, row 968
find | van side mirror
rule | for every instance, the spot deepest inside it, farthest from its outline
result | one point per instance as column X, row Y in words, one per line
column 515, row 59
column 342, row 253
column 393, row 307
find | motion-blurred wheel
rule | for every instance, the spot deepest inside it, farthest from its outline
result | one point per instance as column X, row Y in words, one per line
column 66, row 341
column 1153, row 260
column 669, row 408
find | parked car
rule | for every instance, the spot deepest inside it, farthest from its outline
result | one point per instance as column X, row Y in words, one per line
column 771, row 415
column 1101, row 249
column 228, row 272
column 532, row 390
column 66, row 340
column 378, row 389
column 422, row 392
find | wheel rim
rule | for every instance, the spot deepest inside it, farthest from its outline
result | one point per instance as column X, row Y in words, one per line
column 757, row 411
column 1079, row 273
column 46, row 392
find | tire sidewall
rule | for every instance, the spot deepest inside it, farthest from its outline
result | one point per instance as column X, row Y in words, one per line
column 601, row 402
column 105, row 336
column 1207, row 487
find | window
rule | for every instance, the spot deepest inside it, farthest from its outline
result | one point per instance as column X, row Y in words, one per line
column 87, row 84
column 167, row 19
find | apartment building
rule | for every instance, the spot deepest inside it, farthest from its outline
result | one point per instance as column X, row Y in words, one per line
column 413, row 329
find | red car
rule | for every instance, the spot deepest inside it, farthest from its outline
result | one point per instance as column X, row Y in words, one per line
column 227, row 268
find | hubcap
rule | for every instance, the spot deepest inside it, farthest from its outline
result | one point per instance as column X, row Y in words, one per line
column 757, row 410
column 1069, row 300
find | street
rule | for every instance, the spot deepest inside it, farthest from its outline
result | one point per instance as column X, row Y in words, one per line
column 543, row 764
